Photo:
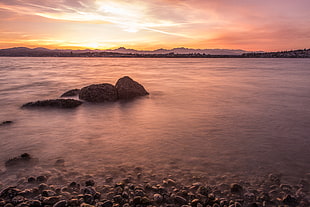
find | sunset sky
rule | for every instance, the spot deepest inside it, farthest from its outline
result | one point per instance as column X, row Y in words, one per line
column 268, row 25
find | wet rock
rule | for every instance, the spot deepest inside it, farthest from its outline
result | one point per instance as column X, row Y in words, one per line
column 18, row 199
column 48, row 193
column 89, row 190
column 158, row 198
column 99, row 93
column 42, row 187
column 50, row 200
column 35, row 203
column 9, row 193
column 41, row 179
column 60, row 163
column 289, row 200
column 274, row 178
column 22, row 161
column 73, row 92
column 88, row 198
column 6, row 123
column 62, row 203
column 118, row 199
column 107, row 204
column 236, row 188
column 54, row 103
column 180, row 200
column 90, row 183
column 127, row 88
column 204, row 190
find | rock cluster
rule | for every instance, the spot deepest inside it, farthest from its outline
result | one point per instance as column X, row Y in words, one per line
column 125, row 88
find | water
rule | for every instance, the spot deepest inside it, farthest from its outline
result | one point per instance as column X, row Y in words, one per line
column 245, row 117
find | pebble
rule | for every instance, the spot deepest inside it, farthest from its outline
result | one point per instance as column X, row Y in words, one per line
column 236, row 188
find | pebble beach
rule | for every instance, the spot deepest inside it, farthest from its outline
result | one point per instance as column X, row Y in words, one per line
column 60, row 186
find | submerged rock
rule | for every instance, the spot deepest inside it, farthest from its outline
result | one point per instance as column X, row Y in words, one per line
column 56, row 103
column 98, row 93
column 73, row 92
column 6, row 123
column 127, row 88
column 23, row 160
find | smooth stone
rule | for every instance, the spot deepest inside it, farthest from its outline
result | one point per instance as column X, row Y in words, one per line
column 73, row 92
column 180, row 200
column 127, row 88
column 54, row 103
column 90, row 183
column 41, row 179
column 107, row 204
column 99, row 93
column 62, row 203
column 236, row 188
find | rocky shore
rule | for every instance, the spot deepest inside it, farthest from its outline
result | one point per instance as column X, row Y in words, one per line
column 135, row 186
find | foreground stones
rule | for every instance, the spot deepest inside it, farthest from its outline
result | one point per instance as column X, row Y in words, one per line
column 40, row 192
column 55, row 103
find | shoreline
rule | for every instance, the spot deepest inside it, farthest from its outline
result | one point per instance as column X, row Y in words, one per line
column 136, row 186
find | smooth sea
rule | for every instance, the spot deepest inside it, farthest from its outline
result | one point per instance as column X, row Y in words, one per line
column 234, row 117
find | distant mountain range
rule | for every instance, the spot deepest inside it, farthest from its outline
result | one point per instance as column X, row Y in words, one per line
column 159, row 53
column 24, row 51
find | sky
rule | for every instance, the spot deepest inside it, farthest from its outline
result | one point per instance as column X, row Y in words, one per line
column 253, row 25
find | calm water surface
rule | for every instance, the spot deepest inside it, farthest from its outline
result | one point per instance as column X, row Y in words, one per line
column 246, row 117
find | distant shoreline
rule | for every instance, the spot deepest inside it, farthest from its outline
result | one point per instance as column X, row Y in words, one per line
column 26, row 52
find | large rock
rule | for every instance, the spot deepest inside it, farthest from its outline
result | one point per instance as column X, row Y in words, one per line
column 128, row 88
column 73, row 92
column 56, row 103
column 98, row 93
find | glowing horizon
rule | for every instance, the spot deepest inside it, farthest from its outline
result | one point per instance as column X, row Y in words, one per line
column 137, row 24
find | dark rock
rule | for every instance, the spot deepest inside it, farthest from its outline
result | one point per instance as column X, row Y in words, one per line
column 236, row 188
column 180, row 200
column 22, row 161
column 90, row 183
column 54, row 103
column 48, row 193
column 89, row 199
column 289, row 200
column 60, row 163
column 107, row 204
column 62, row 203
column 204, row 190
column 41, row 179
column 18, row 199
column 31, row 180
column 118, row 199
column 9, row 193
column 274, row 178
column 128, row 88
column 51, row 200
column 73, row 92
column 42, row 187
column 98, row 93
column 6, row 123
column 9, row 205
column 157, row 198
